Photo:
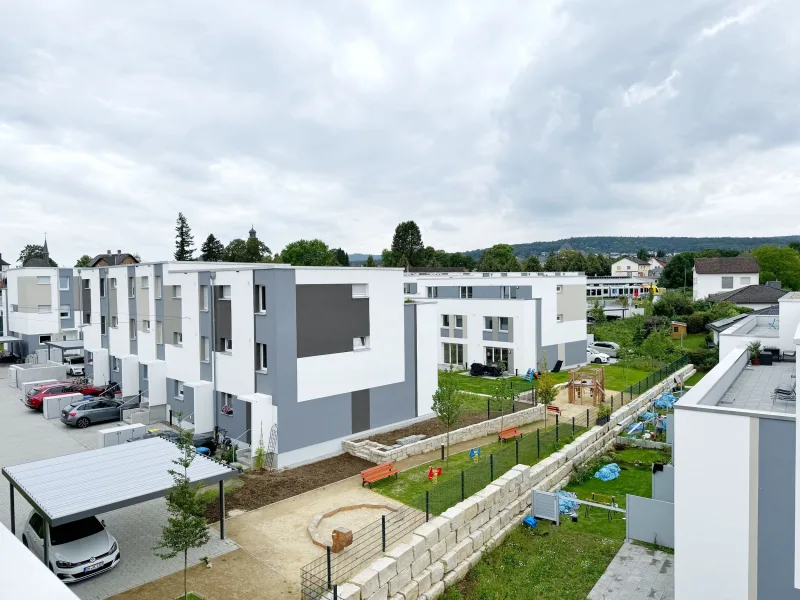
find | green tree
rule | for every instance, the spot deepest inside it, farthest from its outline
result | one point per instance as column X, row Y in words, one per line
column 308, row 253
column 186, row 526
column 342, row 258
column 546, row 391
column 407, row 243
column 641, row 254
column 448, row 402
column 598, row 313
column 34, row 251
column 672, row 304
column 660, row 253
column 387, row 258
column 572, row 260
column 370, row 262
column 678, row 271
column 251, row 250
column 458, row 259
column 553, row 263
column 795, row 246
column 212, row 249
column 184, row 240
column 499, row 257
column 84, row 261
column 779, row 264
column 503, row 397
column 532, row 265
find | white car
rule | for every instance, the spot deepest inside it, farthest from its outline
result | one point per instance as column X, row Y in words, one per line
column 593, row 356
column 610, row 348
column 78, row 550
column 76, row 371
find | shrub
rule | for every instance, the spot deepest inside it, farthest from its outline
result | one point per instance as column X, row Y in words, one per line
column 585, row 472
column 655, row 323
column 695, row 323
column 705, row 359
column 603, row 410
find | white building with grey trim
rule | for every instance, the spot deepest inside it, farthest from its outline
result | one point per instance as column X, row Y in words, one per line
column 517, row 318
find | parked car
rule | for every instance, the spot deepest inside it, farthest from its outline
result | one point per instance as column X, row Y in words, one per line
column 34, row 399
column 74, row 365
column 83, row 413
column 610, row 348
column 199, row 440
column 596, row 357
column 78, row 550
column 76, row 371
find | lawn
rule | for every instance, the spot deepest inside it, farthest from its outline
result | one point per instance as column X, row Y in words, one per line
column 695, row 379
column 694, row 341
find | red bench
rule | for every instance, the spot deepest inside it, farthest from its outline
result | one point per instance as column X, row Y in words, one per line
column 554, row 409
column 509, row 433
column 374, row 474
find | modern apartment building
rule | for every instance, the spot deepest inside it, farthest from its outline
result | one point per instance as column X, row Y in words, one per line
column 321, row 353
column 516, row 318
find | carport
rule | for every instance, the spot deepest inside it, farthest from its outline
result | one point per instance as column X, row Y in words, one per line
column 80, row 485
column 63, row 345
column 10, row 339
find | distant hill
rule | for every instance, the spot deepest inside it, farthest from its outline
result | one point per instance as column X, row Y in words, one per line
column 629, row 245
column 359, row 258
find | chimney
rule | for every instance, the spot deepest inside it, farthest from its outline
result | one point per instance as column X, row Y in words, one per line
column 119, row 251
column 774, row 284
column 108, row 251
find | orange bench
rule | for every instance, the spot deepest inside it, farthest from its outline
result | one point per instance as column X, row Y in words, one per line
column 555, row 409
column 509, row 433
column 374, row 474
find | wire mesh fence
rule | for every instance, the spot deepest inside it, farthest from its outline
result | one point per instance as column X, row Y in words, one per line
column 319, row 576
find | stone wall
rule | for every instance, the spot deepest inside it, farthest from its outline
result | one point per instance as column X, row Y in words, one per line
column 371, row 451
column 626, row 441
column 442, row 551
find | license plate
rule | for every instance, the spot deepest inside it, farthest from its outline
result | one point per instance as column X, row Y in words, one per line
column 93, row 567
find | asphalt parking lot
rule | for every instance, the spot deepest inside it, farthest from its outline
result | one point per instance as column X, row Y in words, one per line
column 27, row 437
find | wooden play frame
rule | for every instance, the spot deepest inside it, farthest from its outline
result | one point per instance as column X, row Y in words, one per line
column 587, row 382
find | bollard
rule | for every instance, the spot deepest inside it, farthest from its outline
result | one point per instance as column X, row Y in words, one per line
column 538, row 448
column 427, row 505
column 329, row 567
column 516, row 449
column 491, row 467
column 556, row 430
column 488, row 409
column 587, row 418
column 336, row 592
column 442, row 451
column 383, row 533
column 462, row 485
column 573, row 426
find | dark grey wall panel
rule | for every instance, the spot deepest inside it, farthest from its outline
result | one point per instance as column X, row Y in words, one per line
column 158, row 271
column 86, row 302
column 114, row 376
column 776, row 493
column 314, row 421
column 186, row 406
column 448, row 291
column 235, row 424
column 66, row 298
column 204, row 279
column 538, row 333
column 328, row 318
column 486, row 291
column 525, row 292
column 131, row 272
column 360, row 411
column 575, row 352
column 222, row 319
column 552, row 355
column 144, row 384
column 173, row 315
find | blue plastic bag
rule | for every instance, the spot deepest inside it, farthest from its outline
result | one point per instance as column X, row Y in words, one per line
column 608, row 472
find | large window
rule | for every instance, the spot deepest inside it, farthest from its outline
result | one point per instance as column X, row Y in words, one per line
column 445, row 320
column 433, row 292
column 488, row 323
column 465, row 291
column 64, row 311
column 504, row 324
column 509, row 291
column 453, row 354
column 459, row 321
column 495, row 355
column 205, row 349
column 204, row 298
column 261, row 299
column 63, row 284
column 727, row 283
column 261, row 357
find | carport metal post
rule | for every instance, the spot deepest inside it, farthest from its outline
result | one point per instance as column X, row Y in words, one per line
column 11, row 508
column 46, row 542
column 221, row 510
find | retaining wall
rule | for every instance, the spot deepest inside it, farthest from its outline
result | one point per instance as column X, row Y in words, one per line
column 626, row 441
column 442, row 551
column 371, row 451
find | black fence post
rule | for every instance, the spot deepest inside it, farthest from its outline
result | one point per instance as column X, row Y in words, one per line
column 336, row 592
column 427, row 505
column 612, row 404
column 491, row 467
column 462, row 485
column 573, row 426
column 538, row 447
column 442, row 451
column 587, row 418
column 329, row 567
column 488, row 408
column 383, row 533
column 556, row 430
column 516, row 444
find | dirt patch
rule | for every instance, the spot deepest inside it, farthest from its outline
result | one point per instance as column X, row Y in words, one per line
column 265, row 487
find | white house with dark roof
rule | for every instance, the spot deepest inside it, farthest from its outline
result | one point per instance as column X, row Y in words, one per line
column 630, row 266
column 752, row 296
column 715, row 275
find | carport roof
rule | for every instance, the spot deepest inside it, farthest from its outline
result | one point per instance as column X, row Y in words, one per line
column 66, row 344
column 71, row 487
column 6, row 339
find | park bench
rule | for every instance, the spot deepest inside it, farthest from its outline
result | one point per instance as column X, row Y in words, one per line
column 374, row 474
column 509, row 433
column 554, row 409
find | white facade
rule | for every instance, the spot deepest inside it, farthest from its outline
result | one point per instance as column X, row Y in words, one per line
column 625, row 267
column 707, row 284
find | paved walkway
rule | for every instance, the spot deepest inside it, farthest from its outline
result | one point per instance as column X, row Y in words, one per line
column 637, row 573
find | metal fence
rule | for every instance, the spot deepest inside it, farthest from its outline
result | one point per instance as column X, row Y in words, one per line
column 322, row 574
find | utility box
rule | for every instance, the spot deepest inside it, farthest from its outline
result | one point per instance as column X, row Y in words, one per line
column 113, row 436
column 53, row 405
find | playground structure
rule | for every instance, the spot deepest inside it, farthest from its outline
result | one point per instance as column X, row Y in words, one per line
column 587, row 382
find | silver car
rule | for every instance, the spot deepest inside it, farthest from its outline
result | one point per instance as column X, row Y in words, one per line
column 83, row 413
column 610, row 348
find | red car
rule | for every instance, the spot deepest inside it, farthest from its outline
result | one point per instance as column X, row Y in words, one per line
column 35, row 396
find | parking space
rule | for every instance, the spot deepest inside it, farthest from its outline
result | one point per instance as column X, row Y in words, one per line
column 27, row 436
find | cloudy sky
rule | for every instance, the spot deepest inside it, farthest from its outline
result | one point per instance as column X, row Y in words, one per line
column 485, row 122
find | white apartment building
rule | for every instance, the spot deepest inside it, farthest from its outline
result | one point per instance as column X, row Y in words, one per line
column 322, row 354
column 630, row 267
column 516, row 318
column 715, row 275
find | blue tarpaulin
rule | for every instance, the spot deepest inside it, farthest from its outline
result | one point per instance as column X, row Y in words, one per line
column 666, row 400
column 608, row 472
column 635, row 428
column 566, row 506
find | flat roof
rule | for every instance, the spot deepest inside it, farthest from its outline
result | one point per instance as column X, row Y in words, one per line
column 6, row 339
column 753, row 388
column 66, row 344
column 71, row 487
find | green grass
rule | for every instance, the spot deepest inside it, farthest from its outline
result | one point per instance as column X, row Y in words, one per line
column 695, row 379
column 190, row 596
column 694, row 341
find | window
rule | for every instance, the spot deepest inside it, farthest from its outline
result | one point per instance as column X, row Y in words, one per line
column 454, row 354
column 361, row 343
column 744, row 280
column 225, row 292
column 205, row 349
column 727, row 283
column 113, row 283
column 132, row 328
column 159, row 332
column 261, row 299
column 114, row 322
column 504, row 324
column 459, row 321
column 261, row 360
column 177, row 338
column 176, row 291
column 559, row 289
column 674, row 330
column 618, row 267
column 37, row 524
column 116, row 364
column 43, row 280
column 496, row 355
column 146, row 325
column 488, row 323
column 445, row 320
column 144, row 372
column 131, row 287
column 158, row 286
column 407, row 288
column 559, row 318
column 204, row 298
column 43, row 339
column 102, row 325
column 433, row 292
column 44, row 309
column 87, row 318
column 465, row 291
column 226, row 344
column 508, row 292
column 145, row 282
column 64, row 311
column 102, row 287
column 360, row 290
column 179, row 389
column 87, row 284
column 63, row 284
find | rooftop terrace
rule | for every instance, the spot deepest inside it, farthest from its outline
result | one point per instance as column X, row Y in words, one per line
column 753, row 388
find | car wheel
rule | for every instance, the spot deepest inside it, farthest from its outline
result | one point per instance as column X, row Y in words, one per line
column 598, row 361
column 82, row 423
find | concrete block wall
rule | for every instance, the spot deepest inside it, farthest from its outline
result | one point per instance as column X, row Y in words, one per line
column 442, row 551
column 371, row 451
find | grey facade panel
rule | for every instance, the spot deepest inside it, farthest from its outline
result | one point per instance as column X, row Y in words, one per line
column 360, row 411
column 664, row 484
column 314, row 421
column 575, row 352
column 113, row 310
column 105, row 307
column 183, row 407
column 31, row 294
column 30, row 343
column 223, row 328
column 458, row 333
column 552, row 355
column 173, row 315
column 502, row 336
column 236, row 423
column 144, row 385
column 571, row 303
column 142, row 302
column 444, row 332
column 132, row 310
column 525, row 292
column 161, row 353
column 488, row 336
column 66, row 298
column 328, row 318
column 448, row 291
column 486, row 291
column 86, row 301
column 204, row 279
column 158, row 271
column 114, row 376
column 538, row 332
column 776, row 514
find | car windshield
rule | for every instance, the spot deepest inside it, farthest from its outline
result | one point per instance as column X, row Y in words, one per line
column 34, row 391
column 69, row 532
